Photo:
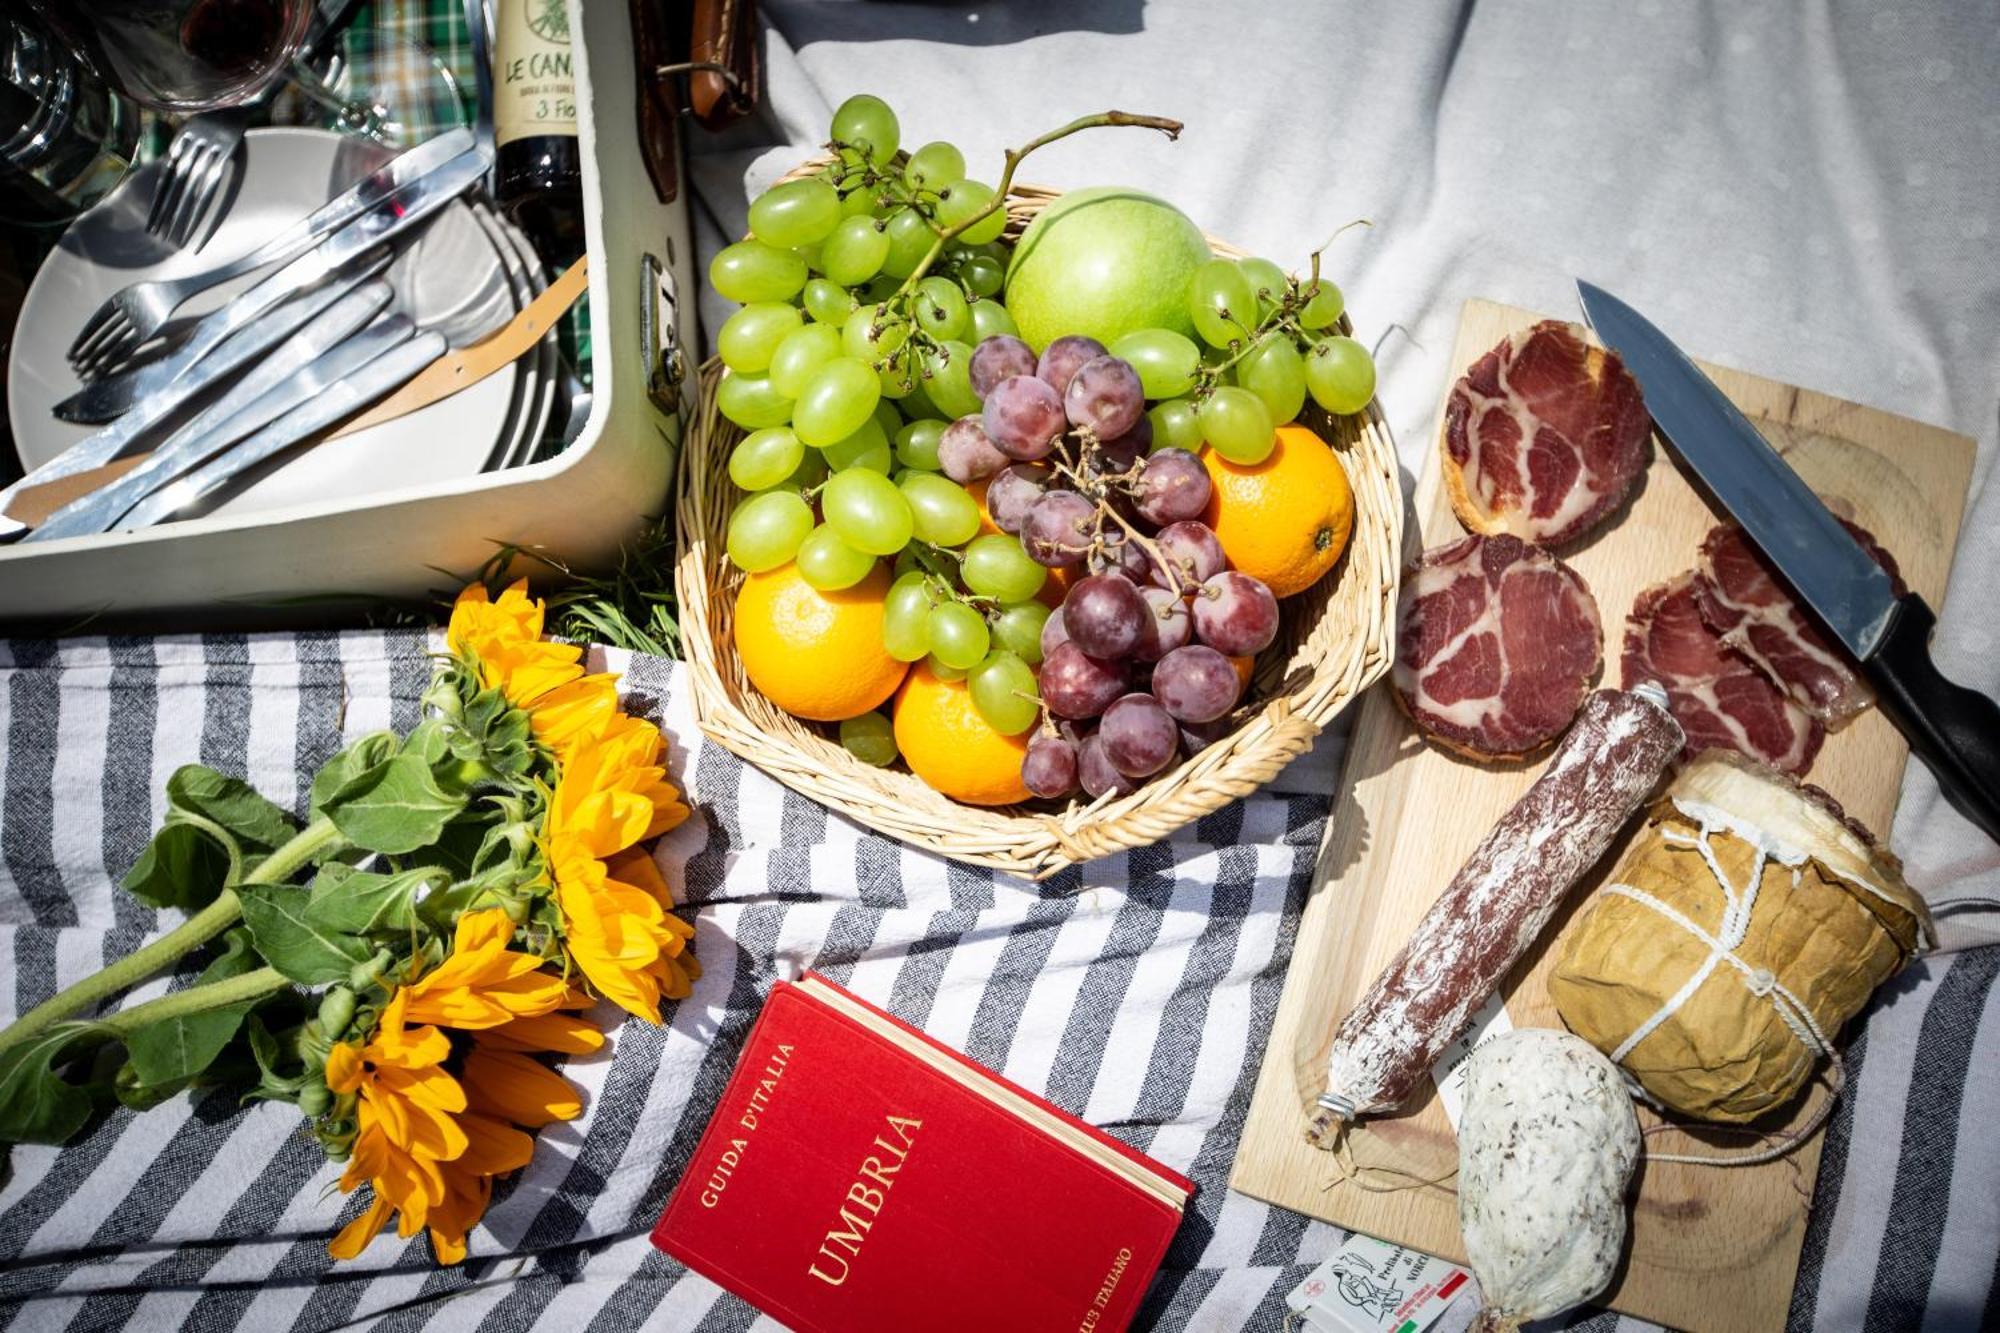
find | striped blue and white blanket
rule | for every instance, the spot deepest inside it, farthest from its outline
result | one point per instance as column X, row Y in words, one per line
column 1135, row 991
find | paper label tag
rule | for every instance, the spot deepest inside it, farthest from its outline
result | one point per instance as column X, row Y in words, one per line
column 1449, row 1072
column 534, row 86
column 1371, row 1286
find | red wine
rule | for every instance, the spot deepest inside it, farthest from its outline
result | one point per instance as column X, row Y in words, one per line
column 235, row 38
column 539, row 169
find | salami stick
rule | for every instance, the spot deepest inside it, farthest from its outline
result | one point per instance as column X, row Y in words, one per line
column 1496, row 905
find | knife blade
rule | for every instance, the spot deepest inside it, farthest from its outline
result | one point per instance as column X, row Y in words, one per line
column 278, row 384
column 96, row 449
column 1955, row 731
column 394, row 213
column 351, row 393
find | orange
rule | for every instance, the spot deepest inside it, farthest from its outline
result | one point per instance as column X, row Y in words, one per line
column 1285, row 520
column 1057, row 587
column 817, row 655
column 977, row 490
column 949, row 745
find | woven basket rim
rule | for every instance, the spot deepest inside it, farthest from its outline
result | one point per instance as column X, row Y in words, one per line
column 1302, row 689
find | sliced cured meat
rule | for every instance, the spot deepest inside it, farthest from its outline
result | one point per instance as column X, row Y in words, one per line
column 1496, row 643
column 1742, row 600
column 1544, row 437
column 1720, row 700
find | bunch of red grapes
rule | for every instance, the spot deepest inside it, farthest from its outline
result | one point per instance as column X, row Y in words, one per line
column 1142, row 643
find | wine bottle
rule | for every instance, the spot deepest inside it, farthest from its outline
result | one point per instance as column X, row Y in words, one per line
column 539, row 171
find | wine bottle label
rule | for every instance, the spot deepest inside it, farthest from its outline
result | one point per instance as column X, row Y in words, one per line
column 534, row 91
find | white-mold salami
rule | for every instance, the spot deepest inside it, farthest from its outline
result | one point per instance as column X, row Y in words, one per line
column 1496, row 905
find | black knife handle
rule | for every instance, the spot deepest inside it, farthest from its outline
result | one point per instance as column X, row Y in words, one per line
column 1955, row 731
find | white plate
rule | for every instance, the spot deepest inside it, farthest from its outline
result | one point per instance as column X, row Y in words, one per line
column 527, row 383
column 533, row 278
column 452, row 276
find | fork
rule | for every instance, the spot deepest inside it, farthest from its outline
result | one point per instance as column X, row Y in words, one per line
column 134, row 314
column 195, row 163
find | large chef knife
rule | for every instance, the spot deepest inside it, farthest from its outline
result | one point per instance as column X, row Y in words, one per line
column 1954, row 730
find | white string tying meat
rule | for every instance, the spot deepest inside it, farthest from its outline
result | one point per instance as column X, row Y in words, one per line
column 1738, row 905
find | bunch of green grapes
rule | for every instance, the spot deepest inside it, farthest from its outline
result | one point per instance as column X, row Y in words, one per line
column 1267, row 341
column 863, row 289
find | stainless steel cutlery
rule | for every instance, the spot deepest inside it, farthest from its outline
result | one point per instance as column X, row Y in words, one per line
column 395, row 213
column 136, row 313
column 197, row 164
column 278, row 384
column 339, row 397
column 156, row 409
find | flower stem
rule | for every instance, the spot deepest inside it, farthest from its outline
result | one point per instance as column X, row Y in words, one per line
column 163, row 952
column 194, row 1000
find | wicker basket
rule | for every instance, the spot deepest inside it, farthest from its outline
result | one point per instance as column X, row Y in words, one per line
column 1336, row 639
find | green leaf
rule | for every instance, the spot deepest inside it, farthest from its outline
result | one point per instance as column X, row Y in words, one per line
column 299, row 948
column 458, row 846
column 181, row 867
column 133, row 1091
column 233, row 804
column 174, row 1050
column 271, row 1052
column 38, row 1105
column 350, row 764
column 394, row 807
column 495, row 733
column 362, row 902
column 430, row 741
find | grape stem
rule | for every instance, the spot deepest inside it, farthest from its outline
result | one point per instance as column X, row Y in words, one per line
column 1104, row 510
column 1014, row 157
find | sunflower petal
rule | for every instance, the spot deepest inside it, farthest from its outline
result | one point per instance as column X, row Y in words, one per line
column 516, row 1088
column 355, row 1236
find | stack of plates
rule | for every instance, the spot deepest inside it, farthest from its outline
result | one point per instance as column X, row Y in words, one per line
column 466, row 275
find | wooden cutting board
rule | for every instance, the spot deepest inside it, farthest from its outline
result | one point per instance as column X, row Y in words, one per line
column 1709, row 1248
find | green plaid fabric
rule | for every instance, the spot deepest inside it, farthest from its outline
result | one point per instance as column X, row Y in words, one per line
column 403, row 46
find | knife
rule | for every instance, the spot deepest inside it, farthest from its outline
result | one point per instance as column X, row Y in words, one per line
column 461, row 369
column 35, row 499
column 356, row 390
column 316, row 226
column 98, row 448
column 1954, row 730
column 396, row 212
column 279, row 383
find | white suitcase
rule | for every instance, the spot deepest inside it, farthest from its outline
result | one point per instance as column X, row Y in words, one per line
column 284, row 565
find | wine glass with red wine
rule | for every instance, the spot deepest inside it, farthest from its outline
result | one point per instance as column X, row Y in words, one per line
column 184, row 56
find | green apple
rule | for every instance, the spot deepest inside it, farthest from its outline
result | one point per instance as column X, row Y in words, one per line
column 1104, row 262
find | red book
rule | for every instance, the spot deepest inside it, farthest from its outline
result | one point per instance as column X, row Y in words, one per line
column 859, row 1177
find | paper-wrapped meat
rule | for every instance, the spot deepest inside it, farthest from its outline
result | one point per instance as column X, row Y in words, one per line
column 1749, row 921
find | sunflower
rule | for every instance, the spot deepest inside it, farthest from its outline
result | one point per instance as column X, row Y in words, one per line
column 430, row 1144
column 546, row 679
column 618, row 929
column 482, row 983
column 407, row 1114
column 611, row 795
column 613, row 792
column 507, row 1091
